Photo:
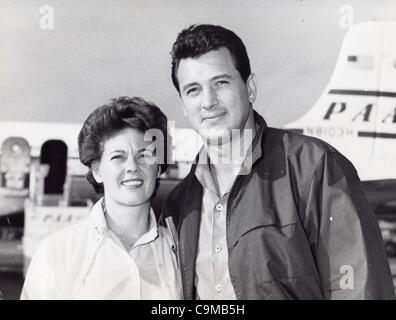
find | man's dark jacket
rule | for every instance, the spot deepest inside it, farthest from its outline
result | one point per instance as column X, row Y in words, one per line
column 298, row 226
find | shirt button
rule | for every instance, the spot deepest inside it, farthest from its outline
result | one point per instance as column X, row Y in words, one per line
column 219, row 288
column 217, row 248
column 219, row 207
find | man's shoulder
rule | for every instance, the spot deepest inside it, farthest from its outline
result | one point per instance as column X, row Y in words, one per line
column 187, row 187
column 185, row 183
column 294, row 143
column 305, row 152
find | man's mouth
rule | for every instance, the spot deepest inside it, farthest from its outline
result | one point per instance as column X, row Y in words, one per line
column 213, row 116
column 132, row 182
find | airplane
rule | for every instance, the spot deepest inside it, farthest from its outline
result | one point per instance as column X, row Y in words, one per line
column 356, row 113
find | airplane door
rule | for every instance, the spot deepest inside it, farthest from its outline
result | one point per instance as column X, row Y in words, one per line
column 15, row 164
column 14, row 174
column 54, row 154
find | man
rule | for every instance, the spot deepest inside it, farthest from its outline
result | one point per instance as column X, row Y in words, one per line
column 285, row 218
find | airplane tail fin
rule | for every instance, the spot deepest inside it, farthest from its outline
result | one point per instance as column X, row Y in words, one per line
column 356, row 113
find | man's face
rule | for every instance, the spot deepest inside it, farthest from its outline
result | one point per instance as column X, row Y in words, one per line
column 215, row 98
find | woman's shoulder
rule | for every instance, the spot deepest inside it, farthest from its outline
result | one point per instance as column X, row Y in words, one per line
column 67, row 236
column 50, row 261
column 60, row 246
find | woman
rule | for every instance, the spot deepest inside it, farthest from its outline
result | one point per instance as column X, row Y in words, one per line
column 119, row 252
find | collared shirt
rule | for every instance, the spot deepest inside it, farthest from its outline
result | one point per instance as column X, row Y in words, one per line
column 88, row 261
column 212, row 279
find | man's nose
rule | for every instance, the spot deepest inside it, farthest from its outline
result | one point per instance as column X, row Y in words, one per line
column 209, row 98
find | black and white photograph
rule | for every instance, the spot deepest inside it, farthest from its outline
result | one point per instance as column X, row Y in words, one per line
column 197, row 150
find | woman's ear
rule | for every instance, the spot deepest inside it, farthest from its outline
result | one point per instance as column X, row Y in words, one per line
column 96, row 172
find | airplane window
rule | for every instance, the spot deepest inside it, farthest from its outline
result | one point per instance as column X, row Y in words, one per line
column 360, row 62
column 352, row 58
column 16, row 149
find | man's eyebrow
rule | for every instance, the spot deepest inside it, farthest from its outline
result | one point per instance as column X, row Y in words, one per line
column 222, row 76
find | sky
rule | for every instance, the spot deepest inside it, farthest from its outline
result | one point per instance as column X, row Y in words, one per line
column 98, row 50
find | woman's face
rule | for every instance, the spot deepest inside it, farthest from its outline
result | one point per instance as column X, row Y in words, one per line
column 127, row 168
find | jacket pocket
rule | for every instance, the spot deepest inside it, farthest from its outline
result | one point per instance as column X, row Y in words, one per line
column 303, row 287
column 275, row 261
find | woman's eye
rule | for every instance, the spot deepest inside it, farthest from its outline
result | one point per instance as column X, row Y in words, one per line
column 145, row 157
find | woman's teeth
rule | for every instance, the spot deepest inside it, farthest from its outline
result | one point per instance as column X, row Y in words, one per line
column 132, row 183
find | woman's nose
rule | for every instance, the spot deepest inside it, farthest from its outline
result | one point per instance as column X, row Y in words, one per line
column 132, row 164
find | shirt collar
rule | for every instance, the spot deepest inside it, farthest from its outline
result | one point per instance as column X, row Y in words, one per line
column 204, row 173
column 97, row 219
column 100, row 227
column 152, row 233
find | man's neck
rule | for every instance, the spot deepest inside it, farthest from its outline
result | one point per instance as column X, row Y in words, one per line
column 227, row 158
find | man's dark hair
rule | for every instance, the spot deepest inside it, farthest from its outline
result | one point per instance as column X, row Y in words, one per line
column 109, row 119
column 199, row 39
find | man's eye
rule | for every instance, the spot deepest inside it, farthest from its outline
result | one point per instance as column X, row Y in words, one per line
column 222, row 82
column 117, row 156
column 192, row 91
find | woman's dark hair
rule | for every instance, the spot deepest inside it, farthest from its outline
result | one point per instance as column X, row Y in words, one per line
column 199, row 39
column 109, row 119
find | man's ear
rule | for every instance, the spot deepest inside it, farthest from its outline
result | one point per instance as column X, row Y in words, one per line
column 96, row 172
column 252, row 88
column 159, row 172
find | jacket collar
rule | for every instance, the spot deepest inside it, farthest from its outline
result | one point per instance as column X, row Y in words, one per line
column 256, row 146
